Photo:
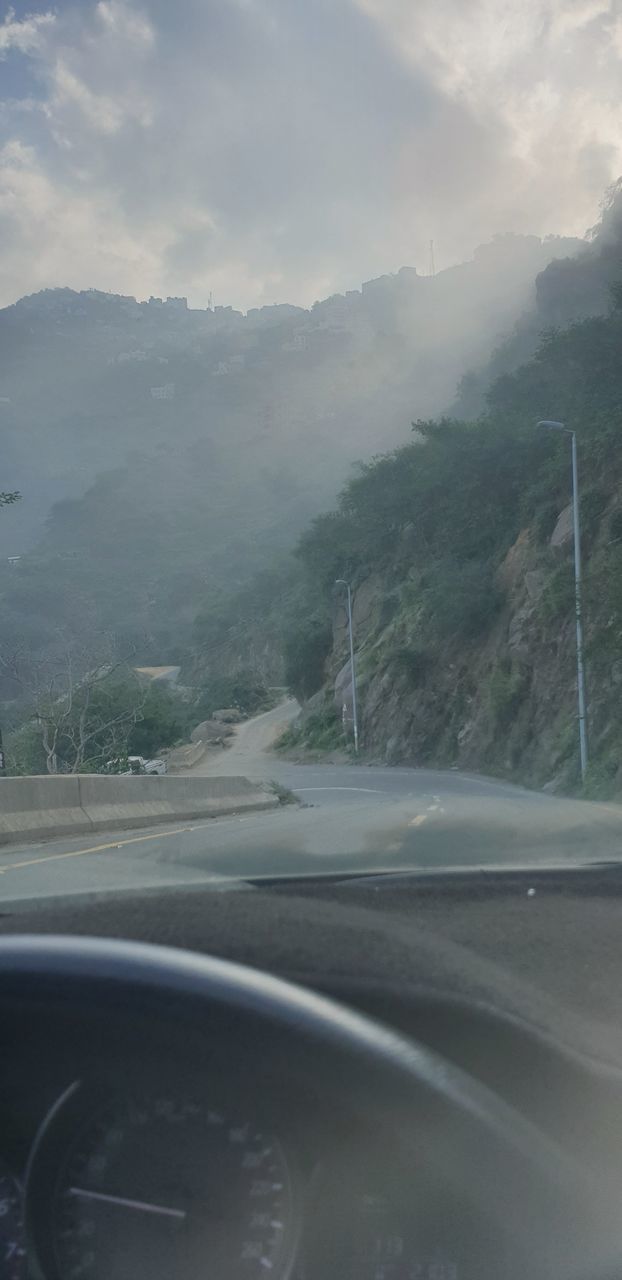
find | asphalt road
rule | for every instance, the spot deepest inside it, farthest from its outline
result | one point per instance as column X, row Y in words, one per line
column 350, row 818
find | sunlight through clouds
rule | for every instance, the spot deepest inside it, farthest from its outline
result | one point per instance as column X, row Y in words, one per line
column 267, row 150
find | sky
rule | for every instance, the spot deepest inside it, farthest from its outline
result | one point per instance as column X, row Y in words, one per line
column 283, row 150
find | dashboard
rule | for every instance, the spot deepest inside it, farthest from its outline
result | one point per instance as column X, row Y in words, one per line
column 161, row 1176
column 126, row 1154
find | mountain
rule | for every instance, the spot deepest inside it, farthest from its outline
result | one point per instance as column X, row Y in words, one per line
column 459, row 549
column 166, row 455
column 570, row 288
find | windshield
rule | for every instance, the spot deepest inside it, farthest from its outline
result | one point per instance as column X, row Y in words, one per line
column 310, row 411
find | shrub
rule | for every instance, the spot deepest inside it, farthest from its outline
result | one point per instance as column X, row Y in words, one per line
column 24, row 751
column 545, row 521
column 322, row 731
column 506, row 691
column 163, row 722
column 412, row 662
column 557, row 599
column 615, row 525
column 306, row 649
column 601, row 779
column 593, row 504
column 460, row 600
column 243, row 690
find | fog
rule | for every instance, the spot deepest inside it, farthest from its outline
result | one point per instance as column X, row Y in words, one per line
column 349, row 205
column 167, row 454
column 93, row 382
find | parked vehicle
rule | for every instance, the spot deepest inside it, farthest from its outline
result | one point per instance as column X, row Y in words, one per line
column 138, row 765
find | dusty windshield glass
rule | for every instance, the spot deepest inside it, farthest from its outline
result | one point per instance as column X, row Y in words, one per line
column 310, row 522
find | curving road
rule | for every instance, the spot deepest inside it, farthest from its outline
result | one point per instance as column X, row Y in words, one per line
column 350, row 818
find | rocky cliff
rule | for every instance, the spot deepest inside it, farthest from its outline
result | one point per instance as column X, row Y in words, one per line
column 459, row 549
column 503, row 702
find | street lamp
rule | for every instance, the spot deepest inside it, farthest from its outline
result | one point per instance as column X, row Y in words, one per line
column 341, row 582
column 561, row 426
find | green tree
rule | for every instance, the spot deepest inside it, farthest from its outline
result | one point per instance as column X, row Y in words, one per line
column 243, row 690
column 163, row 721
column 307, row 647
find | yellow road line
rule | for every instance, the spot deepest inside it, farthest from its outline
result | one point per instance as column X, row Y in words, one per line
column 96, row 848
column 119, row 844
column 115, row 844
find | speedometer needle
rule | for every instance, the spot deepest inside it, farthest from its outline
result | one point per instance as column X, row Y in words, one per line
column 160, row 1209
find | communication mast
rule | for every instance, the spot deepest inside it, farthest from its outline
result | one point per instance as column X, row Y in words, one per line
column 210, row 301
column 431, row 266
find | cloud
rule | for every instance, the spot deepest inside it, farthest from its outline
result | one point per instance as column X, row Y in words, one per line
column 545, row 75
column 269, row 151
column 24, row 35
column 124, row 23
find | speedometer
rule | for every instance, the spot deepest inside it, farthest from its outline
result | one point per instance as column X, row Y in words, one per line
column 162, row 1186
column 12, row 1243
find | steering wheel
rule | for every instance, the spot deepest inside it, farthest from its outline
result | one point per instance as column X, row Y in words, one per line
column 156, row 1002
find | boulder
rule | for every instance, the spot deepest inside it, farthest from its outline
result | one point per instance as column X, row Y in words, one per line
column 520, row 633
column 535, row 580
column 562, row 532
column 512, row 571
column 343, row 687
column 228, row 715
column 367, row 602
column 211, row 731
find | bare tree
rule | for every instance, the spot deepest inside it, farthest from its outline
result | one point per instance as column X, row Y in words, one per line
column 84, row 713
column 97, row 733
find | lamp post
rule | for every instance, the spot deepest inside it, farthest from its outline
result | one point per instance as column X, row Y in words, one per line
column 561, row 426
column 341, row 582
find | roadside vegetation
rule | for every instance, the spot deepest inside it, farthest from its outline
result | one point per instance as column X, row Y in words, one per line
column 458, row 548
column 63, row 717
column 320, row 731
column 466, row 650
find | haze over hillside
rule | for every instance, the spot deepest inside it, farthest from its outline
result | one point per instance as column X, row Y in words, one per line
column 459, row 550
column 89, row 381
column 167, row 456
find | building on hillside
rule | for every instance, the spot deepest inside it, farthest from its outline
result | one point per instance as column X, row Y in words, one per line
column 158, row 675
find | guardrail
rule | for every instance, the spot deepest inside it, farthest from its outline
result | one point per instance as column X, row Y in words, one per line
column 45, row 807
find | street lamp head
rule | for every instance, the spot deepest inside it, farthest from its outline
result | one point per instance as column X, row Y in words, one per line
column 340, row 582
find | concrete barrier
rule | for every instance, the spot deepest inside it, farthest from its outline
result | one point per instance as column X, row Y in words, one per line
column 31, row 806
column 44, row 807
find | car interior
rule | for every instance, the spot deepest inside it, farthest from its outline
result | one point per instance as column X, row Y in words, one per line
column 322, row 1078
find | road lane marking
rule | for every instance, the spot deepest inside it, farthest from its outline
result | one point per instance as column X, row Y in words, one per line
column 418, row 821
column 96, row 848
column 372, row 791
column 117, row 844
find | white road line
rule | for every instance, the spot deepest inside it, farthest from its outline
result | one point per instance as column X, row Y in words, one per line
column 372, row 791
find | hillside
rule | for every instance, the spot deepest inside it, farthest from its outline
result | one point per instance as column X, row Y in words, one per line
column 166, row 455
column 569, row 288
column 459, row 549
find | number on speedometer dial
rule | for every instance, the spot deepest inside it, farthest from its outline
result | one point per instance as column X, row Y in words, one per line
column 12, row 1243
column 163, row 1187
